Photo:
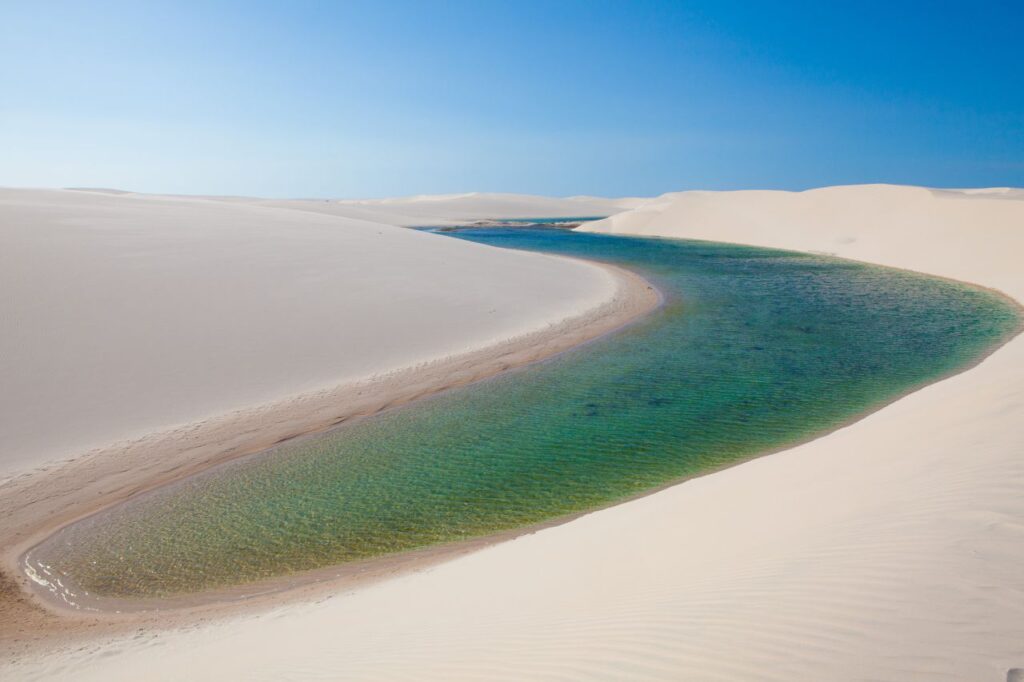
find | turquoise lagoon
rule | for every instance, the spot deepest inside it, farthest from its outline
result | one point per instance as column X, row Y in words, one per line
column 754, row 349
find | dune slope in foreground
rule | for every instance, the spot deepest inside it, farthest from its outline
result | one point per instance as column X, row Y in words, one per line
column 888, row 550
column 125, row 314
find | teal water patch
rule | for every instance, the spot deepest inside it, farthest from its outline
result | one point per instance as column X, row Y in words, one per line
column 754, row 349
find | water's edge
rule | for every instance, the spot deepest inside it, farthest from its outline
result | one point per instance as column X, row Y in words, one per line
column 387, row 564
column 637, row 299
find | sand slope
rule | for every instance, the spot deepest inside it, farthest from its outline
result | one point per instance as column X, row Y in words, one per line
column 975, row 235
column 888, row 550
column 123, row 314
column 440, row 209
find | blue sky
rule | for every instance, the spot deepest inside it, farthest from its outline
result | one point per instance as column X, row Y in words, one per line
column 350, row 99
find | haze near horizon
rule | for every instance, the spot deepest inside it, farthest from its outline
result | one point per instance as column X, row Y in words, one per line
column 369, row 99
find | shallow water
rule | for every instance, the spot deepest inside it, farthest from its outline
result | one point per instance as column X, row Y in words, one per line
column 754, row 349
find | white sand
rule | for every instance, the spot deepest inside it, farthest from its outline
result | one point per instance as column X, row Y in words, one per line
column 447, row 209
column 442, row 209
column 888, row 550
column 481, row 205
column 124, row 314
column 975, row 235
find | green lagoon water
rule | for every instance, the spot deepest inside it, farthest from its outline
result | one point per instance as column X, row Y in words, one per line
column 754, row 349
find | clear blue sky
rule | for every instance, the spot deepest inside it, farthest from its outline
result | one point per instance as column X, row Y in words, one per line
column 347, row 99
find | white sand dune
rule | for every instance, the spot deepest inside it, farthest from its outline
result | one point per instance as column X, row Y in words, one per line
column 124, row 314
column 444, row 209
column 888, row 550
column 975, row 235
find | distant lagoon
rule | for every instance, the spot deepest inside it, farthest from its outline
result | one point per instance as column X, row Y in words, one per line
column 754, row 350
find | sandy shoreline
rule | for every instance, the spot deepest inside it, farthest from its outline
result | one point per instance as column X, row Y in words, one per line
column 35, row 506
column 317, row 583
column 888, row 549
column 133, row 314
